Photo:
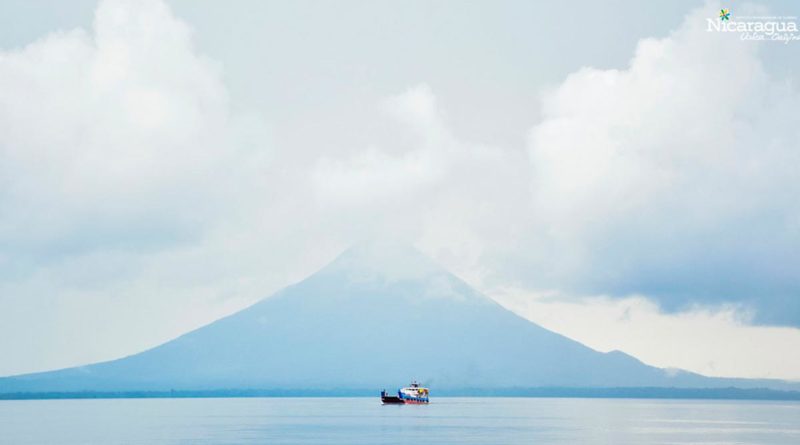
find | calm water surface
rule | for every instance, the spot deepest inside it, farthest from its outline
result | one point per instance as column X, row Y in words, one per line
column 365, row 421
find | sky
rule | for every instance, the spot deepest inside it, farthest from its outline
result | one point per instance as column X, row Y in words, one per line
column 614, row 172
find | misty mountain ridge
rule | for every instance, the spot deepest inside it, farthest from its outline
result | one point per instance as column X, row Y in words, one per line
column 379, row 315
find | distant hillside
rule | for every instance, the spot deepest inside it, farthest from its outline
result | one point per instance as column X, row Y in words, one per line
column 376, row 317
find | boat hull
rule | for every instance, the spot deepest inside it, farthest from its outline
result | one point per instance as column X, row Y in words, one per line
column 394, row 400
column 414, row 402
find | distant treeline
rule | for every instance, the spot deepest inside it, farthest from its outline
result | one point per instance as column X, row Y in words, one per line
column 613, row 393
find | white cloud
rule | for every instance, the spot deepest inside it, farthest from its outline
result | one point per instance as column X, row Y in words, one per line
column 374, row 174
column 120, row 160
column 125, row 129
column 447, row 195
column 675, row 176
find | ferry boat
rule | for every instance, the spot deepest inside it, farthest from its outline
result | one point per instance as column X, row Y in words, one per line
column 412, row 394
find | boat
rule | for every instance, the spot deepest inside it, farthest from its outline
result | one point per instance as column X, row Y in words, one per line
column 412, row 394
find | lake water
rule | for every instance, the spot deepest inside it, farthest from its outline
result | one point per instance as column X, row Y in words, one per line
column 365, row 421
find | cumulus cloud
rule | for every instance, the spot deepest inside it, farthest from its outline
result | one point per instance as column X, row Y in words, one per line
column 436, row 189
column 119, row 161
column 675, row 177
column 378, row 174
column 119, row 134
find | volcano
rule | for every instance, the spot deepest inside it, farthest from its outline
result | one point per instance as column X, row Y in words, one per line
column 378, row 315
